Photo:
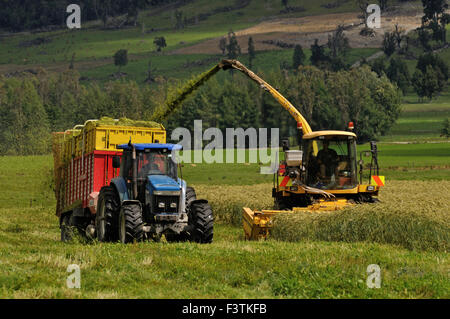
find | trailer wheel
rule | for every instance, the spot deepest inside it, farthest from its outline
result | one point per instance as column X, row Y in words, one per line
column 131, row 223
column 66, row 228
column 201, row 222
column 107, row 214
column 190, row 195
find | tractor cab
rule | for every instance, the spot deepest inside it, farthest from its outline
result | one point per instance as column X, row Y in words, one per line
column 154, row 165
column 329, row 160
column 150, row 174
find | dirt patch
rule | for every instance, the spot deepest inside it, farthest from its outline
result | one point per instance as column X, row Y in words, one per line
column 306, row 29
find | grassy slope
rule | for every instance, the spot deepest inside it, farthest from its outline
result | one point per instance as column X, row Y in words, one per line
column 33, row 261
column 93, row 43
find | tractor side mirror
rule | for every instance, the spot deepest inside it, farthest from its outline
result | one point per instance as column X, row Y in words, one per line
column 360, row 162
column 285, row 144
column 116, row 161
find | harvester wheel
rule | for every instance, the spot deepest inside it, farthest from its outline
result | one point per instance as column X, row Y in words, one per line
column 201, row 222
column 190, row 195
column 107, row 216
column 131, row 223
column 281, row 204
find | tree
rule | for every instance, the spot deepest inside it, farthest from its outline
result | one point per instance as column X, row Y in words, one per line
column 285, row 3
column 389, row 43
column 379, row 66
column 160, row 43
column 318, row 55
column 179, row 17
column 298, row 57
column 251, row 52
column 150, row 73
column 24, row 128
column 121, row 58
column 398, row 73
column 436, row 17
column 383, row 4
column 338, row 42
column 426, row 84
column 233, row 48
column 445, row 128
column 438, row 64
column 398, row 34
column 223, row 45
column 72, row 61
column 362, row 4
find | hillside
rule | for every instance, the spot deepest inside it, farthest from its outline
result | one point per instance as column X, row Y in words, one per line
column 93, row 47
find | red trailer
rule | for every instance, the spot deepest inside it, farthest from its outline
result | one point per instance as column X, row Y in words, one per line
column 83, row 160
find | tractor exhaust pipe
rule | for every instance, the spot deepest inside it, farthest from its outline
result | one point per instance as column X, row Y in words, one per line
column 134, row 177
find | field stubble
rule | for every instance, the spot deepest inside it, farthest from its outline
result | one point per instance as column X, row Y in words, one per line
column 412, row 214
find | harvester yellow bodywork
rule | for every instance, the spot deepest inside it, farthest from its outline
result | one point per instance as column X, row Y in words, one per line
column 257, row 224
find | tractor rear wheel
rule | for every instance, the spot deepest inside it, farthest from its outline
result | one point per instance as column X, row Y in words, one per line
column 201, row 222
column 107, row 216
column 131, row 223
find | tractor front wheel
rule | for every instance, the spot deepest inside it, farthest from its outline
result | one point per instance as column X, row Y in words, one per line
column 131, row 223
column 190, row 195
column 201, row 222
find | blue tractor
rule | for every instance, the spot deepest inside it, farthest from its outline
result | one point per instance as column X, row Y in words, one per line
column 149, row 199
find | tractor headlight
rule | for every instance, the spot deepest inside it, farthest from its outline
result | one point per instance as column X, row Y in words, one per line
column 161, row 205
column 173, row 205
column 370, row 188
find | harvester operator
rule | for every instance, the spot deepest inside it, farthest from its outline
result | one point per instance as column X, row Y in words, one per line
column 327, row 159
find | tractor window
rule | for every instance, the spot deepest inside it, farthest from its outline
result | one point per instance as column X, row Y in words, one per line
column 156, row 162
column 126, row 169
column 333, row 164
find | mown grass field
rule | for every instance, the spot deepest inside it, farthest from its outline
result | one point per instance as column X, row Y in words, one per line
column 420, row 120
column 33, row 261
column 309, row 256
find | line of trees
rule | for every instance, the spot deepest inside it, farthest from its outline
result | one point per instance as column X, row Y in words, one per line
column 33, row 107
column 19, row 15
column 428, row 80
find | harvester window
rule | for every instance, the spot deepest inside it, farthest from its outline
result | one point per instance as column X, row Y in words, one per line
column 334, row 166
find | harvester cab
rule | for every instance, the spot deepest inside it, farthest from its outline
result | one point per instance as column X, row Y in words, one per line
column 151, row 200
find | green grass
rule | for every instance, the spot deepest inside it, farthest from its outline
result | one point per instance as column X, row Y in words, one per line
column 168, row 66
column 181, row 66
column 34, row 262
column 420, row 121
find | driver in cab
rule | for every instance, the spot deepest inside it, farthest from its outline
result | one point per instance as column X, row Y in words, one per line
column 327, row 159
